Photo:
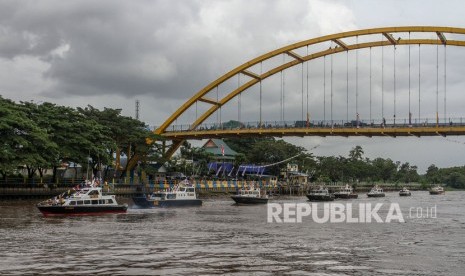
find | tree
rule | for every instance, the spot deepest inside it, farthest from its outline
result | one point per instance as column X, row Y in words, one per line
column 432, row 174
column 356, row 153
column 199, row 156
column 383, row 169
column 456, row 180
column 407, row 173
column 24, row 142
column 329, row 168
column 126, row 136
column 246, row 145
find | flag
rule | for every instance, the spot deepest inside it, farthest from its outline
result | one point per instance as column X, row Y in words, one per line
column 308, row 119
column 222, row 150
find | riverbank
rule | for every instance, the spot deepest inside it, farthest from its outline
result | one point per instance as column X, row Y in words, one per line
column 205, row 190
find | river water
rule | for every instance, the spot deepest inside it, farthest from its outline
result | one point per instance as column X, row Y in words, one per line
column 221, row 238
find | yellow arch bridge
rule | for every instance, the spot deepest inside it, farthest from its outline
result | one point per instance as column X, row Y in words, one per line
column 252, row 73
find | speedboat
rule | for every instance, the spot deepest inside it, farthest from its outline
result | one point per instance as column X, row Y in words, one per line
column 376, row 192
column 438, row 190
column 320, row 194
column 182, row 195
column 85, row 201
column 346, row 192
column 250, row 195
column 405, row 192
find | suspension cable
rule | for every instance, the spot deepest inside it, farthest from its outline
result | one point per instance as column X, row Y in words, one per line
column 218, row 114
column 284, row 89
column 356, row 78
column 409, row 86
column 324, row 88
column 370, row 85
column 331, row 87
column 261, row 70
column 302, row 67
column 308, row 115
column 347, row 85
column 394, row 46
column 445, row 83
column 281, row 96
column 419, row 83
column 239, row 98
column 382, row 80
column 437, row 83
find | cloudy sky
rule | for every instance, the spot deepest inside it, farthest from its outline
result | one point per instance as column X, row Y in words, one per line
column 110, row 53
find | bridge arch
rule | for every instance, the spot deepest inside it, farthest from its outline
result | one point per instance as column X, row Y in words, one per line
column 341, row 46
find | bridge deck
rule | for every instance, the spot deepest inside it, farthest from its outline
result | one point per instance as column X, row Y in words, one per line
column 389, row 131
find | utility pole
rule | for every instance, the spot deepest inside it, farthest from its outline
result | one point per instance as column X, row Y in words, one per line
column 137, row 109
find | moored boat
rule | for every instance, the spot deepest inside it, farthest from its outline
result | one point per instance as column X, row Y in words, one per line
column 438, row 190
column 86, row 201
column 405, row 192
column 320, row 194
column 376, row 192
column 182, row 195
column 250, row 195
column 346, row 192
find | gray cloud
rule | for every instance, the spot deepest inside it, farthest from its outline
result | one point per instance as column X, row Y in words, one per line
column 108, row 53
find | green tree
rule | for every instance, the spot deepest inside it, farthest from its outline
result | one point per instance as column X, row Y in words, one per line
column 456, row 180
column 24, row 143
column 123, row 136
column 356, row 154
column 383, row 169
column 407, row 173
column 432, row 174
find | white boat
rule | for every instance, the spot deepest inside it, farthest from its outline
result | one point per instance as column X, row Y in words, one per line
column 405, row 192
column 181, row 195
column 376, row 192
column 346, row 192
column 320, row 194
column 250, row 195
column 86, row 201
column 438, row 190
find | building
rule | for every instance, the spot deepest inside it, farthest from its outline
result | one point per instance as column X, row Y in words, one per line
column 293, row 175
column 220, row 150
column 223, row 157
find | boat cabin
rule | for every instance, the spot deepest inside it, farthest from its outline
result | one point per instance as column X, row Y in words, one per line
column 177, row 193
column 75, row 202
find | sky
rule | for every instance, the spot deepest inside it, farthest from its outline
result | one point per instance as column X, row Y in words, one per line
column 110, row 53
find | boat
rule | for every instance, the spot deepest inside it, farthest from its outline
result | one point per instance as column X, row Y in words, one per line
column 320, row 194
column 346, row 192
column 438, row 190
column 181, row 195
column 81, row 201
column 250, row 195
column 376, row 192
column 405, row 192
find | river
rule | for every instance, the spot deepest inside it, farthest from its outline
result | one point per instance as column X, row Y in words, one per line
column 221, row 238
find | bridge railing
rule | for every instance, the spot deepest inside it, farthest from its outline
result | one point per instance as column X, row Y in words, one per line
column 377, row 123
